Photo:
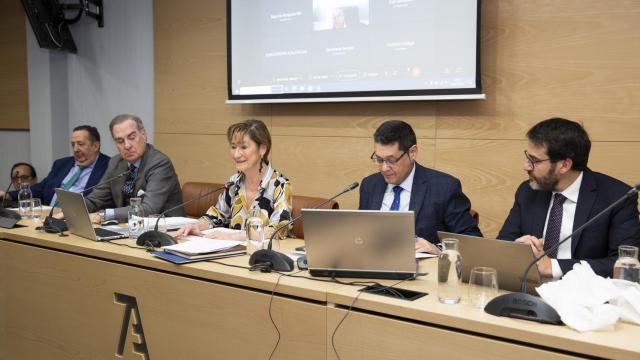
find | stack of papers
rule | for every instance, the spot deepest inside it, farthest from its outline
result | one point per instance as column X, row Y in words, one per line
column 172, row 222
column 202, row 248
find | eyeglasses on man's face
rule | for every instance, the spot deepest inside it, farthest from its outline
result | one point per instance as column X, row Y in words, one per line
column 21, row 178
column 390, row 161
column 533, row 160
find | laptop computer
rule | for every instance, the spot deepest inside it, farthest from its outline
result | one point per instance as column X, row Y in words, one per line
column 360, row 243
column 509, row 258
column 77, row 217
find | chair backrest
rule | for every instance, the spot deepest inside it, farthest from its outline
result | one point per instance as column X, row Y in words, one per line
column 191, row 190
column 305, row 202
column 475, row 215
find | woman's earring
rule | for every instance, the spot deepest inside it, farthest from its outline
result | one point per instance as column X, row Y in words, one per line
column 261, row 162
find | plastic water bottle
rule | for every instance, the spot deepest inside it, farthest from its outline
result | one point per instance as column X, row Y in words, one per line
column 627, row 267
column 449, row 272
column 255, row 230
column 24, row 200
column 136, row 218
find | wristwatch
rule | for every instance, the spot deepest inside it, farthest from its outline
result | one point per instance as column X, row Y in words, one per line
column 102, row 215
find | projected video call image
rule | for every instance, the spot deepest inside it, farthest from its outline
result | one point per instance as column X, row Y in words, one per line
column 294, row 46
column 336, row 15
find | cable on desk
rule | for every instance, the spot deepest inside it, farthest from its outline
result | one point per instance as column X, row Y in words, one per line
column 127, row 245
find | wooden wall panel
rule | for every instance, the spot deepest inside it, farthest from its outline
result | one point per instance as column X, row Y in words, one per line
column 14, row 96
column 347, row 120
column 490, row 171
column 540, row 58
column 197, row 157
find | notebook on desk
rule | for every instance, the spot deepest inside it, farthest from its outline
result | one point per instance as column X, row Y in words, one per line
column 78, row 220
column 360, row 243
column 509, row 258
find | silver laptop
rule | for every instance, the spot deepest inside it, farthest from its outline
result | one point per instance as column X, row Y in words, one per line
column 360, row 243
column 510, row 259
column 77, row 218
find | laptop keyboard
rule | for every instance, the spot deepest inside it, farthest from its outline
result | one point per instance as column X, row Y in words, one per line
column 104, row 233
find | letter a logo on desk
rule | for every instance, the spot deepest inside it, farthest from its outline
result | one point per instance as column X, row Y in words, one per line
column 131, row 316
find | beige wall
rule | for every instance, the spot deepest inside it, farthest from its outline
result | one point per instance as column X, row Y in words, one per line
column 14, row 106
column 572, row 58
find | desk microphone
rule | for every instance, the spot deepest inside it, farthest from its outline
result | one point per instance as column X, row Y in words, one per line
column 60, row 225
column 279, row 261
column 158, row 238
column 8, row 218
column 521, row 305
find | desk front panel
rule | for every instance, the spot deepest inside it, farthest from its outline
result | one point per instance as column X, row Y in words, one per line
column 465, row 318
column 368, row 336
column 58, row 305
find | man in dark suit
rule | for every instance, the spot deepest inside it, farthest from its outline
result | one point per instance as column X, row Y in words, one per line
column 75, row 173
column 402, row 184
column 562, row 193
column 150, row 176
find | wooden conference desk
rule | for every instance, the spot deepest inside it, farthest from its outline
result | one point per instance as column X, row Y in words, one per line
column 72, row 298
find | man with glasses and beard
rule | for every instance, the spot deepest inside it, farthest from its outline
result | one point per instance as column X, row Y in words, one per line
column 402, row 184
column 562, row 193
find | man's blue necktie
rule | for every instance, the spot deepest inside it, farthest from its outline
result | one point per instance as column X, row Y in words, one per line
column 552, row 237
column 395, row 205
column 127, row 188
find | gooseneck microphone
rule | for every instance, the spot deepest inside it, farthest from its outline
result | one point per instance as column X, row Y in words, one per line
column 274, row 260
column 4, row 198
column 157, row 238
column 521, row 305
column 60, row 225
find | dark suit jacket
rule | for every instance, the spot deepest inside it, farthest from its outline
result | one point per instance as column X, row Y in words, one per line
column 598, row 243
column 60, row 169
column 436, row 199
column 156, row 177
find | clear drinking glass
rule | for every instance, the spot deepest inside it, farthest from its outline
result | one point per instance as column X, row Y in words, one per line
column 449, row 272
column 255, row 231
column 157, row 218
column 36, row 211
column 483, row 286
column 627, row 267
column 136, row 218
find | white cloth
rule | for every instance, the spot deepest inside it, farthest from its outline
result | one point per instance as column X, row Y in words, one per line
column 588, row 302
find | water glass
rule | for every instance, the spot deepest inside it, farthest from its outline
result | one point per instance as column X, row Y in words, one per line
column 36, row 210
column 254, row 230
column 136, row 218
column 483, row 286
column 157, row 218
column 627, row 267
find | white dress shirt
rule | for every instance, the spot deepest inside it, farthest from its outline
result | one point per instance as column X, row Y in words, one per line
column 568, row 215
column 80, row 183
column 405, row 195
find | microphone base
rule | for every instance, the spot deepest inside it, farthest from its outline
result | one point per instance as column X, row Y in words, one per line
column 155, row 238
column 58, row 224
column 278, row 261
column 523, row 306
column 6, row 213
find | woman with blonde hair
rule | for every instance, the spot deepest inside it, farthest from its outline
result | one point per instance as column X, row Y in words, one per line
column 255, row 185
